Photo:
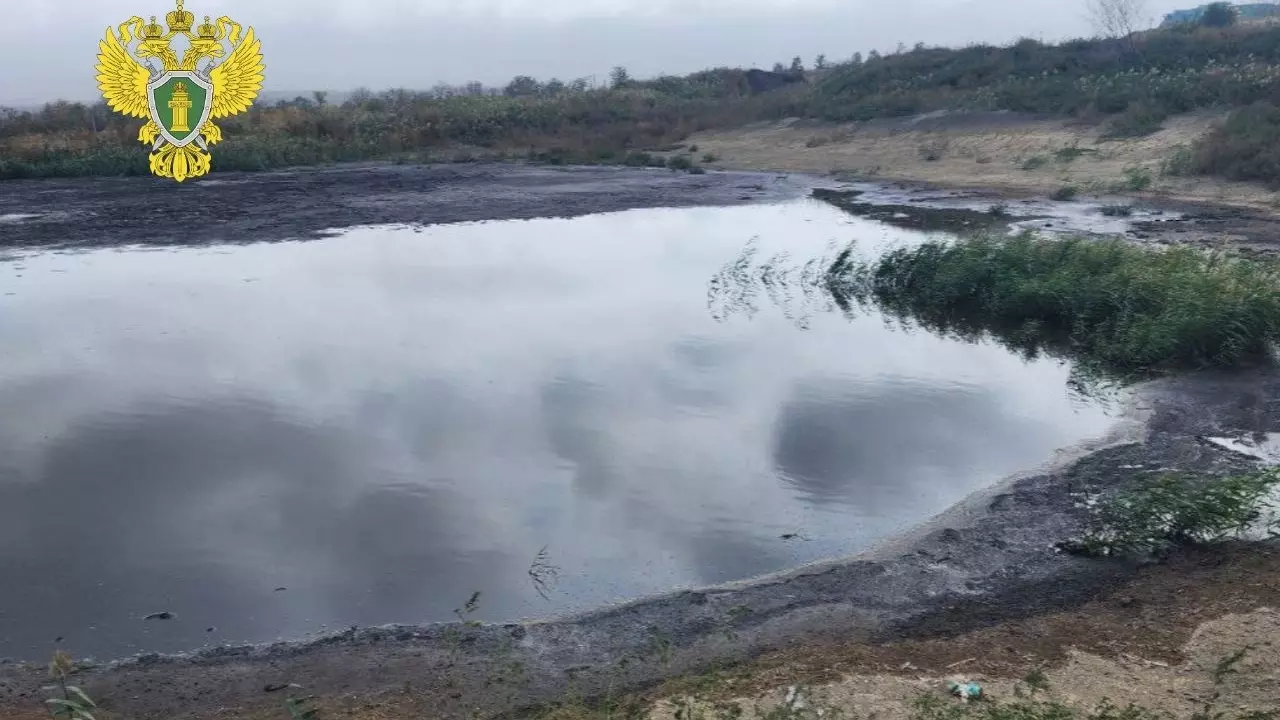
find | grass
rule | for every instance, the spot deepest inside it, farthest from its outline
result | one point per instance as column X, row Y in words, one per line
column 1168, row 511
column 1035, row 162
column 1126, row 308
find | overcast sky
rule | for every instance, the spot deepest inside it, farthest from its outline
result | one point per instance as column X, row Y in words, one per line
column 344, row 44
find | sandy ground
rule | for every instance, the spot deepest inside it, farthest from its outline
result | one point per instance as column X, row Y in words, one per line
column 988, row 150
column 1164, row 642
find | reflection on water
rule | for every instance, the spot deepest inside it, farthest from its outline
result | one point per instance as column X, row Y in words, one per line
column 273, row 440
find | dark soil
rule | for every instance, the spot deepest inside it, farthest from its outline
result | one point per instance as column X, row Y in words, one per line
column 305, row 203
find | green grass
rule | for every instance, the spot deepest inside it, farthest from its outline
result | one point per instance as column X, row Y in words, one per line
column 1126, row 308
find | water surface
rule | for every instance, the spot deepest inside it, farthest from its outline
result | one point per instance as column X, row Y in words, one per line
column 277, row 439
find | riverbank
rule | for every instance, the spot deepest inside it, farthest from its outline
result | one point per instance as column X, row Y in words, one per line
column 1014, row 154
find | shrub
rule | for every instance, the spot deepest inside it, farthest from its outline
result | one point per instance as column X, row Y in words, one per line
column 1164, row 512
column 679, row 162
column 1117, row 210
column 1219, row 15
column 934, row 150
column 1139, row 120
column 1246, row 147
column 637, row 159
column 1065, row 193
column 710, row 158
column 1137, row 178
column 1035, row 162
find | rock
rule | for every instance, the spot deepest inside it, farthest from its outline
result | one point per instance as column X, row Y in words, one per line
column 166, row 615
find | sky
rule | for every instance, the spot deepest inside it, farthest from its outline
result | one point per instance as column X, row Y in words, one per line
column 380, row 44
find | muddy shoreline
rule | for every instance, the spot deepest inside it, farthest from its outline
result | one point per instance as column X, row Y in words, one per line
column 305, row 203
column 991, row 558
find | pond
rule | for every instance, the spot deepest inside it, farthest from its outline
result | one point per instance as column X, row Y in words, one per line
column 270, row 440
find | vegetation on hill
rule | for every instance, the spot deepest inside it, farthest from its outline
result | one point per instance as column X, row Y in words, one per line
column 1132, row 83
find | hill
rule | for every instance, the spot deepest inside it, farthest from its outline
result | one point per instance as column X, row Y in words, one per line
column 1127, row 87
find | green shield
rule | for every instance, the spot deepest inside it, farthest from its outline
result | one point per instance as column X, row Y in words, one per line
column 180, row 103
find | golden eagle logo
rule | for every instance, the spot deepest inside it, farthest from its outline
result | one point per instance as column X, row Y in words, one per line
column 218, row 75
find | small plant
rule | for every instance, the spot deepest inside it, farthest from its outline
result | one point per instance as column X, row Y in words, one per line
column 1035, row 162
column 934, row 150
column 1065, row 193
column 468, row 609
column 693, row 149
column 1071, row 152
column 1138, row 120
column 73, row 703
column 637, row 159
column 1181, row 162
column 710, row 158
column 1037, row 680
column 1227, row 665
column 1171, row 510
column 1137, row 178
column 299, row 708
column 1117, row 210
column 679, row 162
column 543, row 574
column 999, row 210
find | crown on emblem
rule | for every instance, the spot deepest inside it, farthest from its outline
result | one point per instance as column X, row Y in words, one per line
column 180, row 20
column 207, row 30
column 152, row 30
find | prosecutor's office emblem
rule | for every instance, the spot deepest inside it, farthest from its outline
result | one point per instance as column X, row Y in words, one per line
column 141, row 75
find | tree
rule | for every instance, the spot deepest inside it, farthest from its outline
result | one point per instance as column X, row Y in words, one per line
column 1118, row 18
column 1218, row 15
column 522, row 86
column 579, row 85
column 797, row 65
column 873, row 55
column 857, row 58
column 619, row 77
column 820, row 62
column 554, row 86
column 321, row 96
column 779, row 67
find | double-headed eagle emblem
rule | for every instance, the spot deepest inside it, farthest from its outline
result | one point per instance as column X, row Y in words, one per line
column 141, row 75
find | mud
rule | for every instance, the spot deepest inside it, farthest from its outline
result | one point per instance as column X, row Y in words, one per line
column 990, row 559
column 305, row 203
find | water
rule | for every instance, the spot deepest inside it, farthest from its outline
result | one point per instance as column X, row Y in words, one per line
column 279, row 439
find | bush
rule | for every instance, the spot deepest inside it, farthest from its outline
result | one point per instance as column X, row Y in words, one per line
column 1065, row 193
column 1139, row 120
column 1128, row 308
column 934, row 150
column 679, row 162
column 1246, row 147
column 1168, row 511
column 1137, row 178
column 1117, row 210
column 709, row 158
column 1219, row 15
column 1035, row 162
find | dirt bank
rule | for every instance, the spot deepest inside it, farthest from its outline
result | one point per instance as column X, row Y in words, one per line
column 970, row 573
column 997, row 150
